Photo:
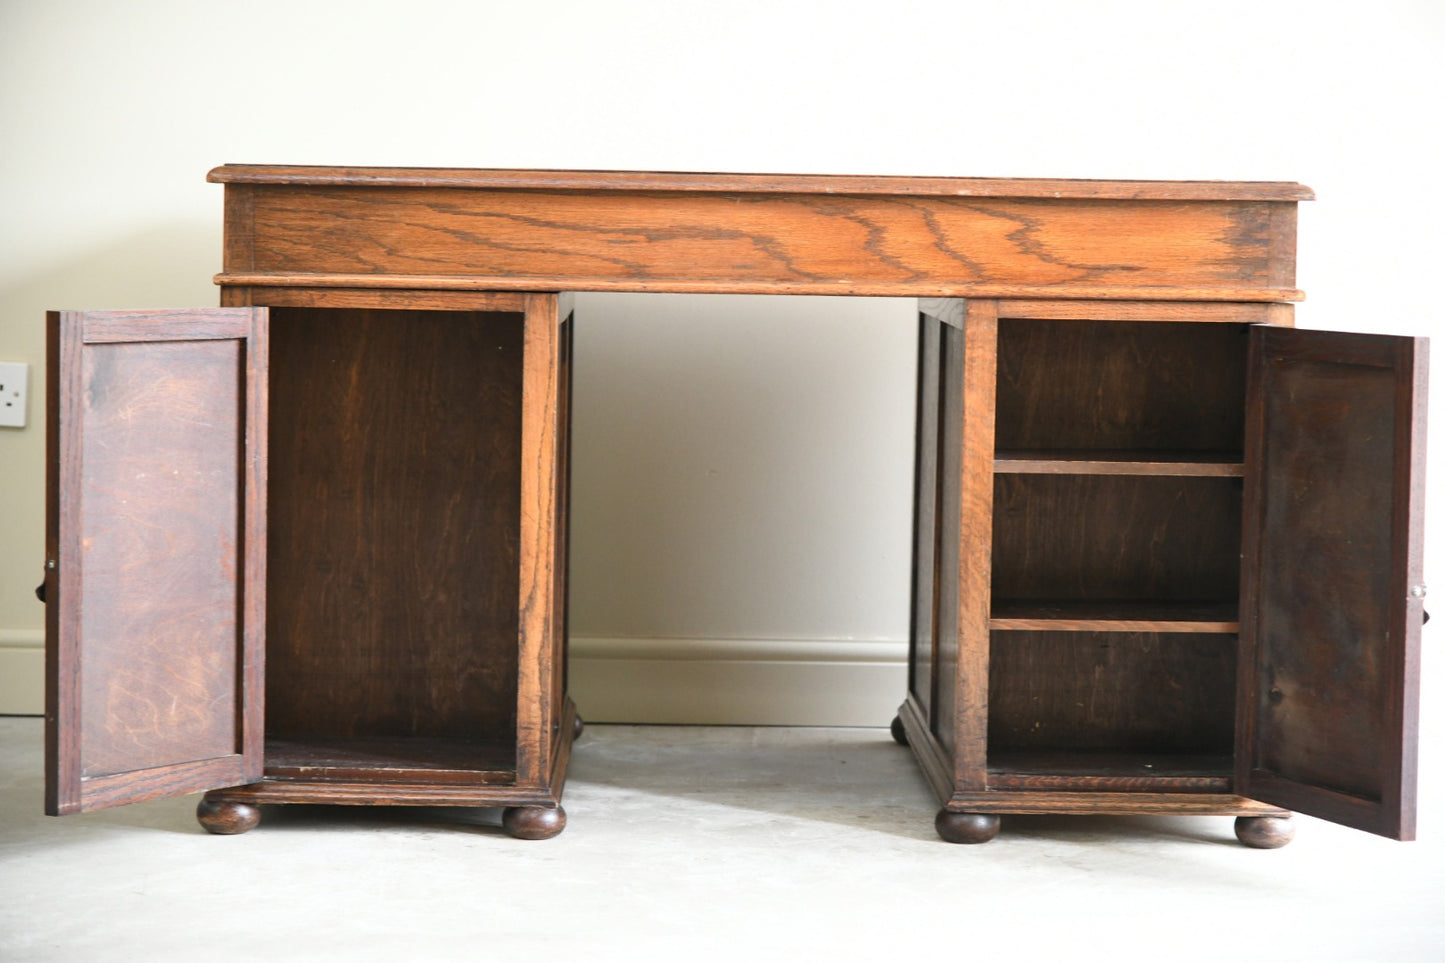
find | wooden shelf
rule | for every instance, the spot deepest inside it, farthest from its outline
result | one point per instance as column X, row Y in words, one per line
column 1111, row 771
column 393, row 759
column 1087, row 462
column 1110, row 615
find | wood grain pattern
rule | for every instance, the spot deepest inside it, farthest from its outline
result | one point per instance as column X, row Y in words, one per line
column 1086, row 537
column 394, row 515
column 149, row 327
column 1207, row 312
column 358, row 788
column 387, row 299
column 975, row 527
column 478, row 179
column 1111, row 771
column 365, row 791
column 487, row 758
column 1078, row 385
column 1094, row 801
column 154, row 524
column 682, row 285
column 160, row 534
column 542, row 494
column 1112, row 691
column 426, row 234
column 1330, row 626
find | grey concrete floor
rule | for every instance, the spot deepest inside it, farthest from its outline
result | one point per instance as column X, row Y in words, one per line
column 697, row 843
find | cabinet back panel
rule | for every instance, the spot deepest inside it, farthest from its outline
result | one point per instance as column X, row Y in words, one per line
column 395, row 451
column 1120, row 385
column 1112, row 691
column 1116, row 537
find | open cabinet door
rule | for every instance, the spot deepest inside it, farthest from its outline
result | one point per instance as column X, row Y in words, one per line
column 1331, row 592
column 155, row 554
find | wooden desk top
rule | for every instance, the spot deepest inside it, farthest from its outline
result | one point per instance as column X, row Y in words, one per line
column 446, row 229
column 499, row 179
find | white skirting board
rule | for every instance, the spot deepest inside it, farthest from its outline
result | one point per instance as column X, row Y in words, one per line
column 825, row 682
column 22, row 672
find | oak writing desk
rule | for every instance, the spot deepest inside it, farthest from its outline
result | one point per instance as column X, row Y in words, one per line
column 1166, row 547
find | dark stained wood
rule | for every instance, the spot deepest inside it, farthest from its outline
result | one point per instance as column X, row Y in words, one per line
column 922, row 679
column 1072, row 385
column 150, row 327
column 458, row 775
column 935, row 761
column 487, row 758
column 974, row 503
column 361, row 789
column 1089, row 801
column 238, row 242
column 948, row 645
column 966, row 827
column 157, row 462
column 544, row 231
column 227, row 818
column 1114, row 615
column 534, row 822
column 948, row 515
column 1133, row 692
column 495, row 178
column 1093, row 537
column 1078, row 577
column 1264, row 832
column 562, row 529
column 1111, row 771
column 952, row 524
column 396, row 440
column 1330, row 618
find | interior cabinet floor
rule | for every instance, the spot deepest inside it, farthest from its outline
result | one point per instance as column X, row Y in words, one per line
column 761, row 843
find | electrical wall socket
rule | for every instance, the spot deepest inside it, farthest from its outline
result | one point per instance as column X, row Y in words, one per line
column 14, row 393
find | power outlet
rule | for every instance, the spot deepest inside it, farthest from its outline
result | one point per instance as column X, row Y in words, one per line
column 14, row 393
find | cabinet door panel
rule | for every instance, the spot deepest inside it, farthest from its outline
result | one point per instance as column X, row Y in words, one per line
column 155, row 528
column 1329, row 618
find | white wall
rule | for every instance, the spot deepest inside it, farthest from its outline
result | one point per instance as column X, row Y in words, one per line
column 742, row 488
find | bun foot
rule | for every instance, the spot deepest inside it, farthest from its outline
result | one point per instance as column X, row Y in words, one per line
column 226, row 818
column 578, row 727
column 900, row 734
column 534, row 822
column 966, row 827
column 1264, row 832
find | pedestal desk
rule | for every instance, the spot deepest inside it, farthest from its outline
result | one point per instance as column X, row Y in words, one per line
column 310, row 547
